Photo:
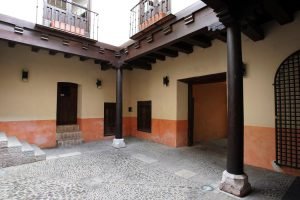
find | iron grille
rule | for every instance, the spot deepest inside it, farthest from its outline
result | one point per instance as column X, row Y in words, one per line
column 287, row 110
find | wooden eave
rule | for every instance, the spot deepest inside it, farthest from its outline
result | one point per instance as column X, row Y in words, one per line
column 54, row 41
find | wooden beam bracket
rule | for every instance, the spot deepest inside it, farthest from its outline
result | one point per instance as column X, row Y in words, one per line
column 136, row 45
column 167, row 30
column 149, row 39
column 44, row 37
column 189, row 19
column 19, row 30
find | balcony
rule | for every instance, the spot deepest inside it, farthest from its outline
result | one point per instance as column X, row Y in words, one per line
column 66, row 16
column 147, row 15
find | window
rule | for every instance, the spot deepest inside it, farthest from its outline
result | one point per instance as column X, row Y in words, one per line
column 144, row 116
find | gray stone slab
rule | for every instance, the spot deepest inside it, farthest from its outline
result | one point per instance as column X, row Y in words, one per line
column 144, row 158
column 13, row 142
column 38, row 153
column 3, row 140
column 185, row 173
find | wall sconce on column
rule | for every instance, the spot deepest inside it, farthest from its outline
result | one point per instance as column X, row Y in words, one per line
column 25, row 75
column 166, row 81
column 98, row 83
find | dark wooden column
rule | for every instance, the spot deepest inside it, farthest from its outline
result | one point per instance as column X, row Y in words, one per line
column 119, row 106
column 235, row 156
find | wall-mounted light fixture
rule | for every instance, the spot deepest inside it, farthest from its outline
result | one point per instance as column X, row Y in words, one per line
column 98, row 83
column 166, row 81
column 25, row 75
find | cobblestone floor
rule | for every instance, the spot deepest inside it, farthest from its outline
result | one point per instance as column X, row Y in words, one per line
column 142, row 170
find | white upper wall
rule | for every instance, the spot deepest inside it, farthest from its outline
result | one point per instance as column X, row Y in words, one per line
column 114, row 15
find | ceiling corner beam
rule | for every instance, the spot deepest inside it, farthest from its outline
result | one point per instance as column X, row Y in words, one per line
column 277, row 11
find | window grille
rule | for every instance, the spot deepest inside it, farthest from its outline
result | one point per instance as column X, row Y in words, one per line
column 287, row 111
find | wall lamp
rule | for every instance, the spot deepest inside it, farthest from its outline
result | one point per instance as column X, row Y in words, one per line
column 25, row 75
column 166, row 81
column 98, row 83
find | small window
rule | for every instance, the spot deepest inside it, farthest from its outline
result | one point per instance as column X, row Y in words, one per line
column 144, row 116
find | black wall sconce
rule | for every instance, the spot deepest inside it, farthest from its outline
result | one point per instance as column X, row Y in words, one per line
column 25, row 75
column 98, row 83
column 166, row 81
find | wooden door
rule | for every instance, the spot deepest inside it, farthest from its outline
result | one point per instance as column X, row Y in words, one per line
column 66, row 103
column 109, row 119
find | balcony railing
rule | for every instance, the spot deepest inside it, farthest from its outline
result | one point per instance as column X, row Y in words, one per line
column 68, row 17
column 146, row 13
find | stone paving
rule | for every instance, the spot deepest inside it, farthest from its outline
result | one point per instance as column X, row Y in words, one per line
column 142, row 170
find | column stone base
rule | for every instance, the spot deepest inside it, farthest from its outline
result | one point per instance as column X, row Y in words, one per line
column 237, row 185
column 118, row 143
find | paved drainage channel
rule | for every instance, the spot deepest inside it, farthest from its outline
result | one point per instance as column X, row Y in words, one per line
column 207, row 188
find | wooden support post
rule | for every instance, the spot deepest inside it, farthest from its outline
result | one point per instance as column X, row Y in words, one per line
column 119, row 141
column 234, row 180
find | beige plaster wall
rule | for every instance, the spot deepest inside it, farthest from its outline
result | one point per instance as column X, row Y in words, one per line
column 262, row 59
column 36, row 99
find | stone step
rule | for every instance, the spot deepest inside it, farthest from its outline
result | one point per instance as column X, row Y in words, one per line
column 3, row 140
column 27, row 149
column 14, row 145
column 67, row 128
column 38, row 153
column 68, row 135
column 69, row 143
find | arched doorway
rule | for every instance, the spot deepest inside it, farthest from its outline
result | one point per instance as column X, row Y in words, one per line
column 287, row 112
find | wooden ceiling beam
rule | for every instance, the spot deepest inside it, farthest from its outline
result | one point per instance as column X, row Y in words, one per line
column 82, row 58
column 182, row 47
column 147, row 59
column 52, row 53
column 11, row 44
column 277, row 11
column 167, row 52
column 156, row 56
column 35, row 49
column 254, row 32
column 67, row 55
column 200, row 41
column 105, row 66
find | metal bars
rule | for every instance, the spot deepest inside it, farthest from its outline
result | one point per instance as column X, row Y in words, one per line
column 287, row 111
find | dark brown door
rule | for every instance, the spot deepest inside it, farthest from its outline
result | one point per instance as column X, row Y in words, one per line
column 109, row 119
column 66, row 103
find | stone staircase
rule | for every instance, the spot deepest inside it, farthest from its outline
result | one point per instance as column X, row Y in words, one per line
column 13, row 152
column 68, row 135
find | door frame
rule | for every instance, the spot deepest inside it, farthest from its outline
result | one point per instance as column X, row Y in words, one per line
column 211, row 78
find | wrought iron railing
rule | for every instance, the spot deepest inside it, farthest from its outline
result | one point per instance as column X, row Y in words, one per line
column 68, row 17
column 147, row 13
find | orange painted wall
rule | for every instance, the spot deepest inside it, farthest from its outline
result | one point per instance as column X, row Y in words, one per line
column 210, row 111
column 168, row 132
column 92, row 129
column 260, row 149
column 39, row 132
